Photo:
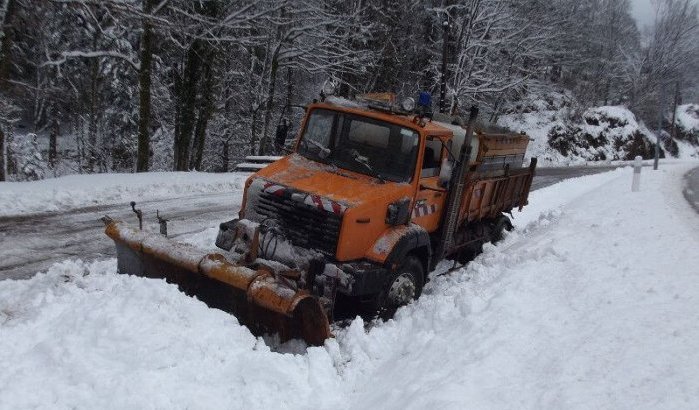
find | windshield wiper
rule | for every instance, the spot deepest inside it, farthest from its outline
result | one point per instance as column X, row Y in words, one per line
column 323, row 151
column 358, row 158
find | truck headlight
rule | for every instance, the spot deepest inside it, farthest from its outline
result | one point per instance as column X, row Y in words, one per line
column 408, row 104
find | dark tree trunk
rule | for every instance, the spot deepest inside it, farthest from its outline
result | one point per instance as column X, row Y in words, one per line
column 675, row 103
column 144, row 82
column 443, row 70
column 205, row 111
column 264, row 141
column 53, row 141
column 199, row 139
column 289, row 89
column 6, row 38
column 177, row 86
column 188, row 93
column 5, row 54
column 253, row 132
column 10, row 161
column 92, row 124
column 2, row 155
column 225, row 156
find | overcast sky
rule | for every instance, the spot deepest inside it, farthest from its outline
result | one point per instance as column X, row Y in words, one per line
column 644, row 11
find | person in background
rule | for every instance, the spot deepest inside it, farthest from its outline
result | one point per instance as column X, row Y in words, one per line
column 282, row 132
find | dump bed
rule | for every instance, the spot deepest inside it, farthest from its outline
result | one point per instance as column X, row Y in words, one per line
column 496, row 181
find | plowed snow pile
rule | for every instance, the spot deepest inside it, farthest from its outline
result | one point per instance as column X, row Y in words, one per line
column 76, row 191
column 592, row 303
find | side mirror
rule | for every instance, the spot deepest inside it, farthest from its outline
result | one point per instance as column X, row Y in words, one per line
column 398, row 213
column 445, row 173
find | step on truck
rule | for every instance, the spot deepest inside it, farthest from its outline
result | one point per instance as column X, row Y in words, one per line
column 371, row 199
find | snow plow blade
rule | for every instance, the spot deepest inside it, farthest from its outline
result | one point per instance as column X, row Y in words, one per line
column 260, row 300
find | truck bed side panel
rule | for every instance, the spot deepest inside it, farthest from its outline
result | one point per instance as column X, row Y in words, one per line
column 487, row 196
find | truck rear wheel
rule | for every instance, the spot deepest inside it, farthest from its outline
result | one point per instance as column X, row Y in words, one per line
column 501, row 225
column 403, row 286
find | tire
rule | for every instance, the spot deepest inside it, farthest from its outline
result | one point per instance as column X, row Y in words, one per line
column 403, row 286
column 501, row 225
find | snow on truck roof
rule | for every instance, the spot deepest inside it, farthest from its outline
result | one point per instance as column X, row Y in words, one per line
column 439, row 124
column 401, row 118
column 493, row 139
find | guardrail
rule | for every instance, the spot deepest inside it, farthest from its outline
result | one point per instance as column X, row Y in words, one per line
column 254, row 163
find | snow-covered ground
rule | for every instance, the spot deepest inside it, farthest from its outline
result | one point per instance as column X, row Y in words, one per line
column 75, row 191
column 590, row 304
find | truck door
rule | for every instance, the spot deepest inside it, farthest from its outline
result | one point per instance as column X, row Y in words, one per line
column 430, row 198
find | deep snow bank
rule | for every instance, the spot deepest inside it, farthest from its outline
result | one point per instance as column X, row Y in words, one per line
column 591, row 303
column 82, row 337
column 75, row 191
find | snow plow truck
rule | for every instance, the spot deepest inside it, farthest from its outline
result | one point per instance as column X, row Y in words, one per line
column 372, row 198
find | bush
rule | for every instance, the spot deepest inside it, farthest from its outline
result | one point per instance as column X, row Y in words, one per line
column 28, row 159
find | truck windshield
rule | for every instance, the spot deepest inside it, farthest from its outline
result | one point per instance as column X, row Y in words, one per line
column 372, row 147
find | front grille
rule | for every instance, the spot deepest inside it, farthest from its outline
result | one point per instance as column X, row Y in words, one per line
column 304, row 225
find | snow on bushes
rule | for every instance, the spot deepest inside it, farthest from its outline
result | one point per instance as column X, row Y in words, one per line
column 536, row 115
column 564, row 132
column 606, row 133
column 27, row 158
column 687, row 121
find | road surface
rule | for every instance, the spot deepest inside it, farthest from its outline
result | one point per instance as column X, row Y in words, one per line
column 691, row 188
column 31, row 244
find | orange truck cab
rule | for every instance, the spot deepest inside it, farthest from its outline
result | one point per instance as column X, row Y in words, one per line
column 360, row 204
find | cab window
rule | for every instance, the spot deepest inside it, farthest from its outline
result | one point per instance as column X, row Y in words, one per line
column 432, row 157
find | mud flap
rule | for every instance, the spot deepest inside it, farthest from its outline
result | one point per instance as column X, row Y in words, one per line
column 260, row 301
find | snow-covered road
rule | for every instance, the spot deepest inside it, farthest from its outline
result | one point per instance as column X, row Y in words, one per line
column 47, row 221
column 66, row 228
column 592, row 303
column 32, row 244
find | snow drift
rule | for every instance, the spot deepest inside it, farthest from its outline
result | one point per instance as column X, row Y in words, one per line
column 590, row 303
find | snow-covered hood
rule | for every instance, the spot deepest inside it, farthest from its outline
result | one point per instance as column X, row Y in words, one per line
column 346, row 188
column 361, row 201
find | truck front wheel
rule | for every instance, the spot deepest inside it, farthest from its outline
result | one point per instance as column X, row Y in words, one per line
column 404, row 285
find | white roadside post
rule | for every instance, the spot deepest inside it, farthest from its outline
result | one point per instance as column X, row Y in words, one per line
column 637, row 164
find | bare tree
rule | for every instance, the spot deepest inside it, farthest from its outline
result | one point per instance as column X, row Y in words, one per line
column 144, row 83
column 310, row 37
column 671, row 52
column 499, row 50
